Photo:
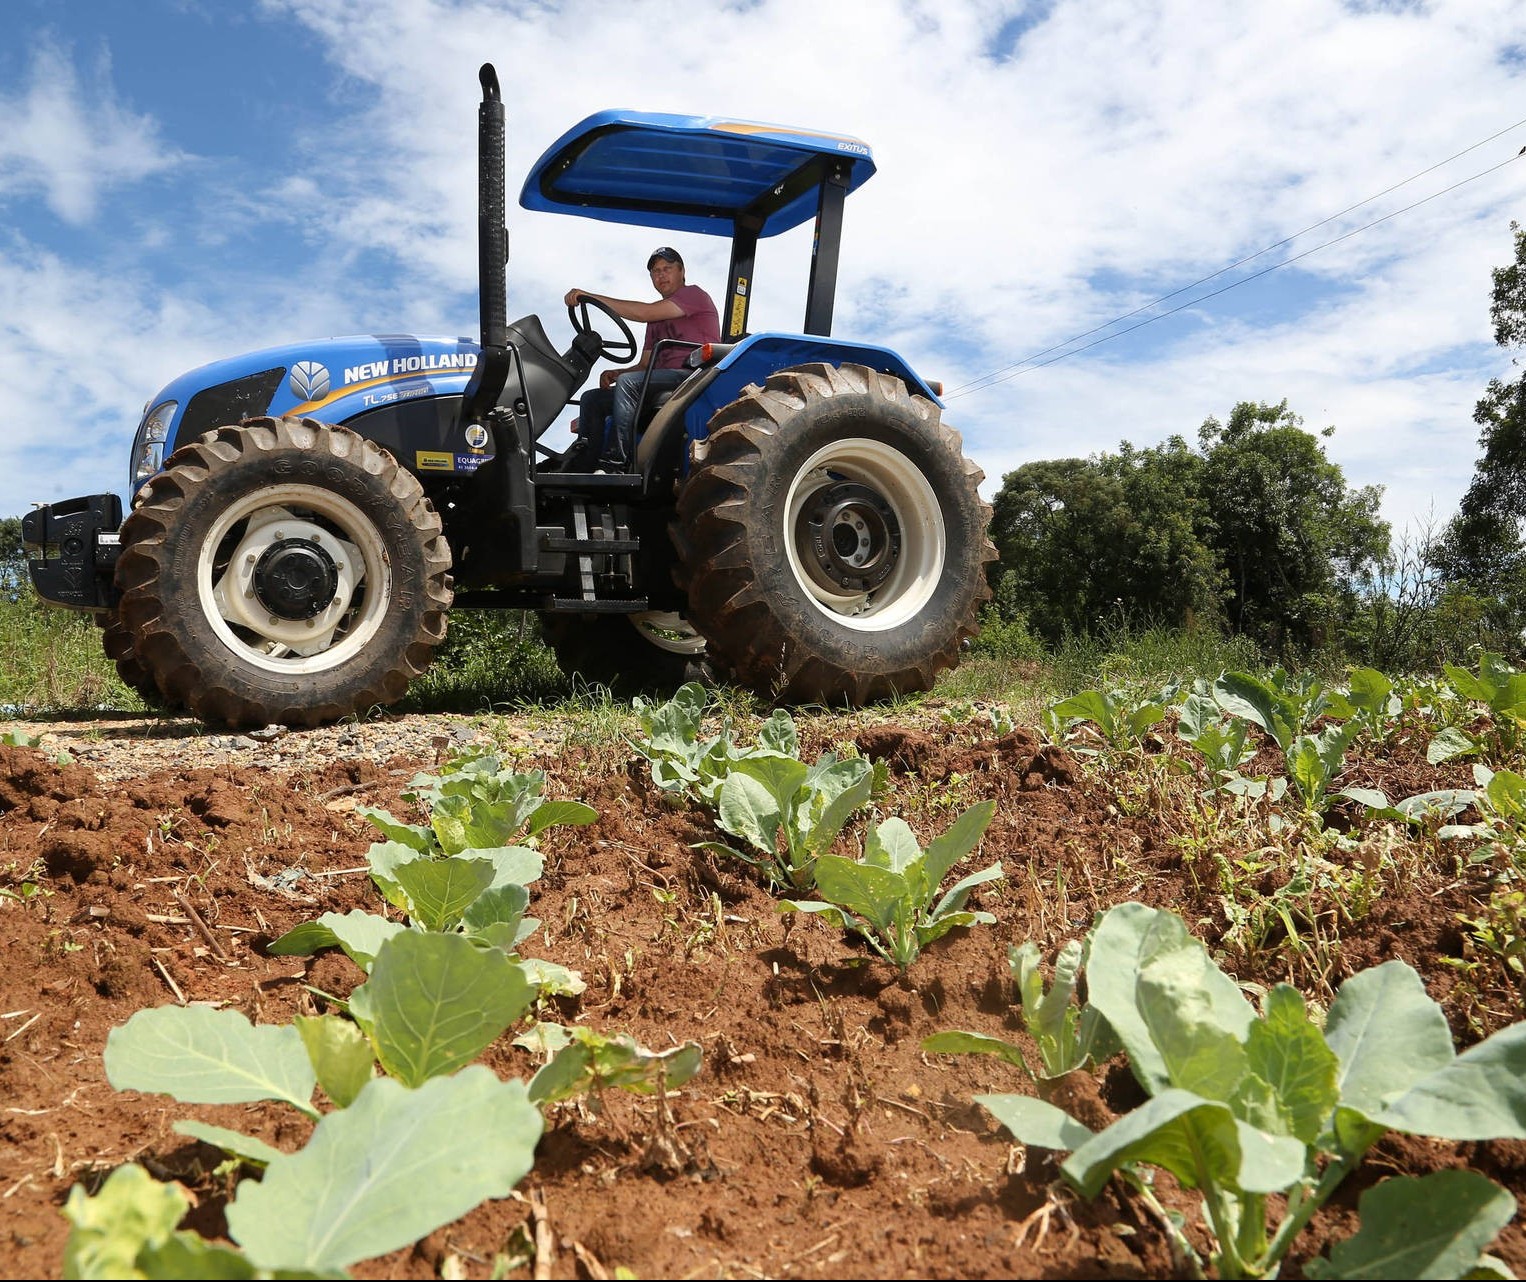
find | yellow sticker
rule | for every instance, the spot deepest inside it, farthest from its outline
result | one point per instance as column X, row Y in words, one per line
column 434, row 461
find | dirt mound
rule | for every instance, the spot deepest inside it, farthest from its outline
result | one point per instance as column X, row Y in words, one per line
column 818, row 1140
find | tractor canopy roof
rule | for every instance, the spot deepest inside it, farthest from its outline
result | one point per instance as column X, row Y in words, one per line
column 692, row 173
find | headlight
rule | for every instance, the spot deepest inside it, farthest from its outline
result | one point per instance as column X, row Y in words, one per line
column 148, row 445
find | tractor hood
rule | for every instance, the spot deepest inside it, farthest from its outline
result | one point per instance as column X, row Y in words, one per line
column 689, row 173
column 329, row 378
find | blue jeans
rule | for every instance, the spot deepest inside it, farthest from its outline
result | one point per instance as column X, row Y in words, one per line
column 620, row 443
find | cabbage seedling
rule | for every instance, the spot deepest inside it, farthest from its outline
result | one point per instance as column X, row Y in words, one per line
column 1247, row 1106
column 889, row 896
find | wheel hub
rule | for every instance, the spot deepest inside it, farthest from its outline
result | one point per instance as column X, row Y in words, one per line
column 851, row 537
column 295, row 579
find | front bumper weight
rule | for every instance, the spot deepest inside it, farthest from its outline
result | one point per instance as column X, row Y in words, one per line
column 74, row 547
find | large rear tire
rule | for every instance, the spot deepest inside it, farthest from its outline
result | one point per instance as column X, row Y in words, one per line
column 283, row 571
column 649, row 653
column 832, row 538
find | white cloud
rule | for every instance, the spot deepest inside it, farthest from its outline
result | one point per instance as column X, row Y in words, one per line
column 74, row 144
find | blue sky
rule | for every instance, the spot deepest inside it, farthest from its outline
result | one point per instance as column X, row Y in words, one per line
column 182, row 180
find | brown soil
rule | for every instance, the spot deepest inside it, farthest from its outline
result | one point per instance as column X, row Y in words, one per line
column 818, row 1140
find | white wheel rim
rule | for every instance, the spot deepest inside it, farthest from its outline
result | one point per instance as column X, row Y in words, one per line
column 251, row 530
column 907, row 511
column 668, row 630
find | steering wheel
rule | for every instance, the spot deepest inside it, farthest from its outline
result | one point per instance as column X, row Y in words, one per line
column 619, row 352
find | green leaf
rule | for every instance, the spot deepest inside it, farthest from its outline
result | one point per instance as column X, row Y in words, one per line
column 1142, row 718
column 1050, row 1016
column 750, row 809
column 1242, row 695
column 204, row 1056
column 497, row 916
column 778, row 735
column 340, row 1053
column 1479, row 1095
column 1035, row 1121
column 1369, row 690
column 550, row 979
column 248, row 1149
column 564, row 1077
column 1089, row 705
column 595, row 1061
column 440, row 890
column 1198, row 715
column 131, row 1211
column 831, row 912
column 486, row 823
column 857, row 780
column 187, row 1255
column 1450, row 742
column 953, row 901
column 892, row 845
column 565, row 813
column 1387, row 1034
column 875, row 894
column 1434, row 1226
column 956, row 1042
column 1287, row 1050
column 384, row 859
column 1124, row 940
column 1372, row 798
column 1200, row 1151
column 1506, row 791
column 1202, row 1053
column 435, row 1002
column 1444, row 803
column 359, row 933
column 937, row 927
column 544, row 1038
column 127, row 1231
column 948, row 848
column 390, row 1169
column 512, row 865
column 416, row 838
column 1197, row 1140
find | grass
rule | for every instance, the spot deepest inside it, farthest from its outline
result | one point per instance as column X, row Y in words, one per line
column 51, row 664
column 494, row 661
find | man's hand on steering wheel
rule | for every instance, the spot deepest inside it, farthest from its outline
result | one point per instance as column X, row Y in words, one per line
column 578, row 303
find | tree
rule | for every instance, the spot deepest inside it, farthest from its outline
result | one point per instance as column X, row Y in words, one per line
column 1256, row 528
column 1482, row 550
column 1289, row 534
column 15, row 580
column 1079, row 539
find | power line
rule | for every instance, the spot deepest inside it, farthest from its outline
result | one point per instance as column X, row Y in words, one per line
column 1002, row 374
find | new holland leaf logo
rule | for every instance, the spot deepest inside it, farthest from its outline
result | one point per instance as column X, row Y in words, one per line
column 309, row 380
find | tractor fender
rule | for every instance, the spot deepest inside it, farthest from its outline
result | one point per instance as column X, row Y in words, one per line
column 753, row 359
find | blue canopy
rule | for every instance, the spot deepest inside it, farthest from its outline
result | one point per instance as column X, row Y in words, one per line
column 690, row 173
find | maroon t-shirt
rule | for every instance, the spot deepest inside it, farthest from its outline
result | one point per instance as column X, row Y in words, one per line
column 699, row 324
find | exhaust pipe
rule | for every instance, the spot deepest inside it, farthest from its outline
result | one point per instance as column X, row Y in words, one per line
column 492, row 371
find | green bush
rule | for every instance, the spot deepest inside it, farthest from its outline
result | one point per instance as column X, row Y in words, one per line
column 51, row 661
column 490, row 658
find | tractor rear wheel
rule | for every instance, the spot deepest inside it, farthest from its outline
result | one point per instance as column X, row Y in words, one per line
column 649, row 653
column 832, row 538
column 283, row 571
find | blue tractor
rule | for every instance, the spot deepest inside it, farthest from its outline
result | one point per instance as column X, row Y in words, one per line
column 796, row 518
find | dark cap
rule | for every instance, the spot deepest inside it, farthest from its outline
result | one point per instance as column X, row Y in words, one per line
column 672, row 255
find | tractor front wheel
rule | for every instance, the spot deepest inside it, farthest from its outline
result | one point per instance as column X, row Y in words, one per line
column 116, row 641
column 832, row 539
column 283, row 571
